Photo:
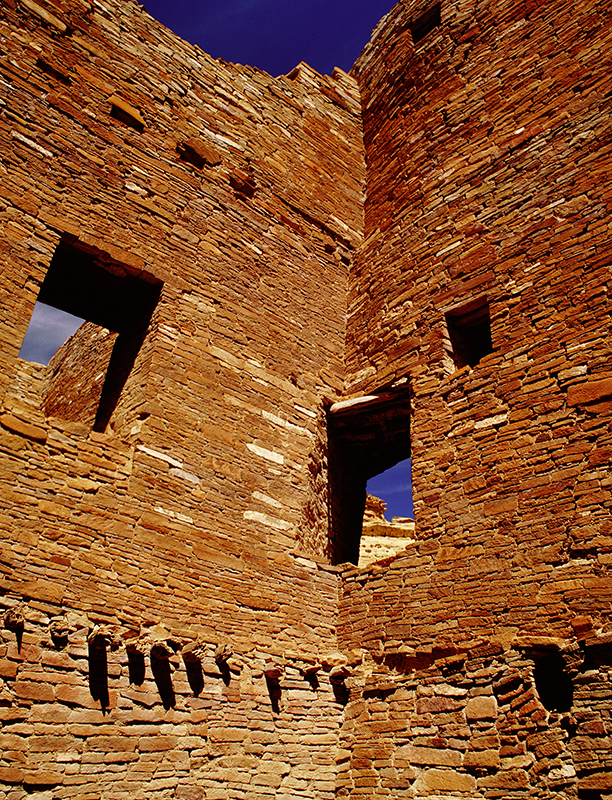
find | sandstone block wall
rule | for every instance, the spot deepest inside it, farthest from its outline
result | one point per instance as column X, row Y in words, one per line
column 488, row 200
column 172, row 626
column 179, row 547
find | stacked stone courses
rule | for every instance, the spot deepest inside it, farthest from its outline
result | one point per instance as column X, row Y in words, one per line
column 242, row 195
column 257, row 257
column 488, row 178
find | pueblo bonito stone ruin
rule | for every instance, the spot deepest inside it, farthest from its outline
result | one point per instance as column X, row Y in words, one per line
column 289, row 285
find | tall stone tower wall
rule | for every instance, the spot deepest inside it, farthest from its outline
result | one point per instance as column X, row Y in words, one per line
column 483, row 284
column 170, row 609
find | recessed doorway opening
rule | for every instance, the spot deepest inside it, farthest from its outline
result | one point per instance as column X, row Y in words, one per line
column 366, row 437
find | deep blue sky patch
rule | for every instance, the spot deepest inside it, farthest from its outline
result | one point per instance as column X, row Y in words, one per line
column 394, row 487
column 275, row 35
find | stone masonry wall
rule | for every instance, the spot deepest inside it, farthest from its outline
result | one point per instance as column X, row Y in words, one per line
column 170, row 617
column 75, row 375
column 473, row 723
column 488, row 192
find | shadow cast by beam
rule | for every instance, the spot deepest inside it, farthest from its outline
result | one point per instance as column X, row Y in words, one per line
column 162, row 675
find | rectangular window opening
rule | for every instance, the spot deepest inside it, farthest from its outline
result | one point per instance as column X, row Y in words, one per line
column 426, row 23
column 468, row 329
column 88, row 327
column 125, row 113
column 369, row 437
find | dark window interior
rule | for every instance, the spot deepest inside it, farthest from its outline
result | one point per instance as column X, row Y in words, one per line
column 127, row 119
column 426, row 23
column 469, row 331
column 88, row 284
column 364, row 439
column 553, row 684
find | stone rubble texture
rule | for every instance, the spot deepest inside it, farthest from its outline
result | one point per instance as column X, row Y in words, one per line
column 174, row 624
column 381, row 538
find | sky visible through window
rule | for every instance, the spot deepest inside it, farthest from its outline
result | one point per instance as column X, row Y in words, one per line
column 49, row 328
column 394, row 486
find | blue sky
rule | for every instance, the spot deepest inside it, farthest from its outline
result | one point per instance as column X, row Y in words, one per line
column 394, row 487
column 48, row 330
column 275, row 35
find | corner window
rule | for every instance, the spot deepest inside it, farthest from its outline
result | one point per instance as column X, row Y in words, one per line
column 88, row 374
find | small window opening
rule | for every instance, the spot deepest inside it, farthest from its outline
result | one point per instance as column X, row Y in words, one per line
column 553, row 684
column 425, row 23
column 126, row 113
column 366, row 437
column 87, row 375
column 469, row 333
